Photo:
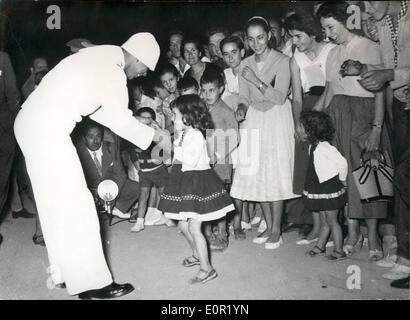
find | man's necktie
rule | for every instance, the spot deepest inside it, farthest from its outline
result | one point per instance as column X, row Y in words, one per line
column 97, row 164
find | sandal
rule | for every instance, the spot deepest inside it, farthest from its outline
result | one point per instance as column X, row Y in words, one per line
column 336, row 256
column 190, row 261
column 39, row 240
column 211, row 274
column 316, row 251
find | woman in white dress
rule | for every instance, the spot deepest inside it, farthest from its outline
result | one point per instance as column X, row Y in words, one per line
column 265, row 166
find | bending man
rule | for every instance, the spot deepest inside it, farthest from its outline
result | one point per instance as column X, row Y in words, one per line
column 91, row 82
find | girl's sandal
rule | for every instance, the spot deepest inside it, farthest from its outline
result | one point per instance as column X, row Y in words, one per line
column 209, row 275
column 336, row 256
column 316, row 251
column 190, row 261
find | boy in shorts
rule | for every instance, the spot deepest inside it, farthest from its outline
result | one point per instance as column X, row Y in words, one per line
column 152, row 171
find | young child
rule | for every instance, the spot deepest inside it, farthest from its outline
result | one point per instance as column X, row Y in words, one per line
column 194, row 193
column 169, row 77
column 324, row 189
column 221, row 143
column 152, row 171
column 188, row 85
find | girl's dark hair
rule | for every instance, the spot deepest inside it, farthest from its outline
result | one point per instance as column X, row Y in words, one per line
column 305, row 23
column 194, row 112
column 198, row 44
column 264, row 24
column 318, row 126
column 335, row 10
column 169, row 68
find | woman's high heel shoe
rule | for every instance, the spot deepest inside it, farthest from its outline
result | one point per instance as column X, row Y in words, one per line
column 350, row 249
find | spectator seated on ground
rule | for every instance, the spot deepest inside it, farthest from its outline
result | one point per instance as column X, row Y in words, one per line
column 100, row 161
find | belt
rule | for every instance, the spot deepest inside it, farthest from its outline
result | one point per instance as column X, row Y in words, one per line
column 324, row 196
column 315, row 91
column 151, row 169
column 149, row 161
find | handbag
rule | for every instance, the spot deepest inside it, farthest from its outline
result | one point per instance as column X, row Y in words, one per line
column 374, row 183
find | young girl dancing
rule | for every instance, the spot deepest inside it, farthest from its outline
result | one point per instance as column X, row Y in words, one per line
column 194, row 193
column 324, row 189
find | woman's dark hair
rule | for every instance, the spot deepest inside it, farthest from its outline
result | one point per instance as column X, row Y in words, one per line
column 264, row 24
column 318, row 126
column 148, row 110
column 169, row 68
column 194, row 112
column 198, row 44
column 305, row 23
column 335, row 10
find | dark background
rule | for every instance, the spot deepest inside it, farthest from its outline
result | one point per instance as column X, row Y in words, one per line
column 24, row 33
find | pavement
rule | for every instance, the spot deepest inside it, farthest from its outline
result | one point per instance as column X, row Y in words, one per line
column 151, row 261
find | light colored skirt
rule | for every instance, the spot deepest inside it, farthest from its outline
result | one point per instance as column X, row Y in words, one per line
column 264, row 171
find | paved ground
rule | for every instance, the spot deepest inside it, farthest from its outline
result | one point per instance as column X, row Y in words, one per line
column 151, row 261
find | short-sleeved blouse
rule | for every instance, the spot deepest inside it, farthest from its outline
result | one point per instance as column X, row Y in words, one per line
column 360, row 49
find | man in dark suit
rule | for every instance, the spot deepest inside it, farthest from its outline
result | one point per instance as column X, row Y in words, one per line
column 100, row 161
column 9, row 106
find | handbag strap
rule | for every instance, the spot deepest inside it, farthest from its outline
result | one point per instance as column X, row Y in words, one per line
column 365, row 174
column 386, row 173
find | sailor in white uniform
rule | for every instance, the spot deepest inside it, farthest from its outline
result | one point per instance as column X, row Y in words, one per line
column 91, row 82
